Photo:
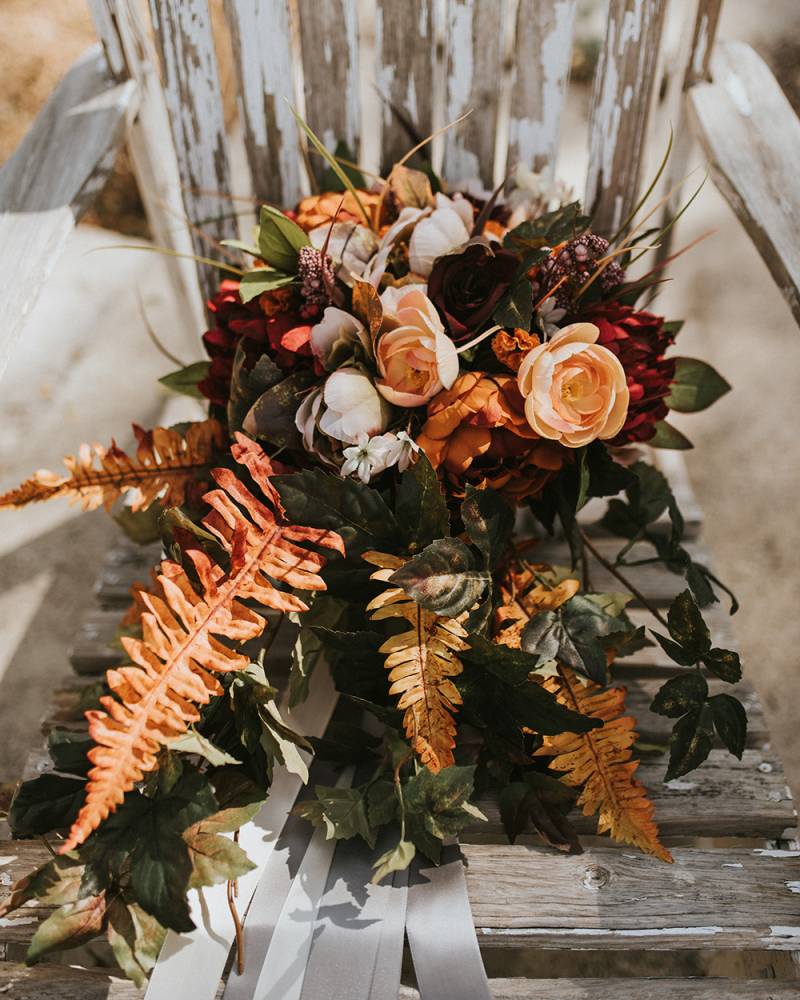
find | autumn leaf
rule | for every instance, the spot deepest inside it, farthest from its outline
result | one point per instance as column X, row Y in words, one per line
column 525, row 591
column 165, row 465
column 174, row 663
column 599, row 762
column 421, row 663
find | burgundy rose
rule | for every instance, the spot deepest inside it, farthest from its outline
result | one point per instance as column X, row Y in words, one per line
column 467, row 287
column 639, row 339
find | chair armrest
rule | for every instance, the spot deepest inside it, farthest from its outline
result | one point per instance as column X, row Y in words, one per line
column 50, row 180
column 751, row 136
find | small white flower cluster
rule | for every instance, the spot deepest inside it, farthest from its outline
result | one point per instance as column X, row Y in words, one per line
column 370, row 456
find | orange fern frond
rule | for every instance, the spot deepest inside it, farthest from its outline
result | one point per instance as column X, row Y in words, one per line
column 600, row 762
column 421, row 663
column 524, row 592
column 166, row 464
column 173, row 665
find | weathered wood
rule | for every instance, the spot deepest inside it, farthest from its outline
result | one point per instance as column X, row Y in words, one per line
column 262, row 52
column 724, row 797
column 329, row 39
column 57, row 982
column 629, row 989
column 474, row 35
column 403, row 72
column 702, row 44
column 543, row 51
column 623, row 91
column 751, row 136
column 129, row 49
column 51, row 179
column 191, row 87
column 615, row 899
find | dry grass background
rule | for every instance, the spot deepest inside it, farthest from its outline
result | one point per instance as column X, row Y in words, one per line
column 746, row 466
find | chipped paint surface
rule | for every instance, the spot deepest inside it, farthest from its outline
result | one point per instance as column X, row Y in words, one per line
column 733, row 864
column 793, row 886
column 631, row 932
column 676, row 785
column 765, row 852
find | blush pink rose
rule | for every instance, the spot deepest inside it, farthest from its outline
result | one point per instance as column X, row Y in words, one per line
column 415, row 357
column 575, row 390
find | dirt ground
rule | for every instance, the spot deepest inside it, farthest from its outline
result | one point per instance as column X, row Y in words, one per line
column 86, row 368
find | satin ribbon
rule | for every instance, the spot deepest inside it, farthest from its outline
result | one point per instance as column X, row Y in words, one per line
column 191, row 965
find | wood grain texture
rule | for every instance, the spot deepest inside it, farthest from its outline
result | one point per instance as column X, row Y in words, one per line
column 329, row 39
column 194, row 102
column 262, row 51
column 702, row 43
column 631, row 989
column 129, row 49
column 50, row 180
column 623, row 91
column 751, row 136
column 403, row 73
column 474, row 34
column 542, row 51
column 724, row 797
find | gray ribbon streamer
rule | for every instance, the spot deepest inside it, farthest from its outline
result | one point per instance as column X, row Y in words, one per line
column 357, row 951
column 441, row 933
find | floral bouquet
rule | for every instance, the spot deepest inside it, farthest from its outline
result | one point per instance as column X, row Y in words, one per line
column 408, row 390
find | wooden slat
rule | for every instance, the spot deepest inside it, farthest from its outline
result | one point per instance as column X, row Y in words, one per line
column 50, row 180
column 741, row 899
column 623, row 91
column 751, row 136
column 129, row 50
column 724, row 797
column 543, row 51
column 58, row 982
column 630, row 989
column 191, row 87
column 702, row 44
column 403, row 73
column 474, row 64
column 262, row 52
column 329, row 38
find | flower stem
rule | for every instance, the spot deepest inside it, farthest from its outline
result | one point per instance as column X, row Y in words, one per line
column 624, row 581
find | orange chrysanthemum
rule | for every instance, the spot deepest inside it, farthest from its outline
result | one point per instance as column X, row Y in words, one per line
column 511, row 346
column 476, row 432
column 321, row 208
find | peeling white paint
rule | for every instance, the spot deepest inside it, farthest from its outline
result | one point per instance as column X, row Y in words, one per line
column 17, row 921
column 765, row 852
column 793, row 886
column 676, row 785
column 738, row 94
column 784, row 931
column 7, row 859
column 699, row 55
column 638, row 932
column 733, row 864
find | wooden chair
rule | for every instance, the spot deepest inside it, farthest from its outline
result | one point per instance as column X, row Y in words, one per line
column 729, row 905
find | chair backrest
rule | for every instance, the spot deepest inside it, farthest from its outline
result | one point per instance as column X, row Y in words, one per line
column 356, row 69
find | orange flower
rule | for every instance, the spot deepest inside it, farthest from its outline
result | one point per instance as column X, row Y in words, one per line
column 477, row 433
column 321, row 208
column 511, row 346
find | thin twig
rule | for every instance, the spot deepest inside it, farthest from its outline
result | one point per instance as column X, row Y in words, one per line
column 612, row 569
column 151, row 333
column 237, row 923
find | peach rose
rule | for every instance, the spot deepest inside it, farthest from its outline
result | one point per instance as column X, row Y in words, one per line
column 575, row 390
column 415, row 357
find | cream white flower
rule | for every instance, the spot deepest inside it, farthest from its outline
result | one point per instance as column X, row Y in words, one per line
column 550, row 315
column 335, row 336
column 447, row 227
column 351, row 405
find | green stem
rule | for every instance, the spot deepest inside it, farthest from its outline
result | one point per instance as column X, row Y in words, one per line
column 612, row 569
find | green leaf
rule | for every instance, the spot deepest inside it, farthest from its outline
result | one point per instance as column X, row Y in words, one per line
column 283, row 743
column 680, row 695
column 271, row 417
column 71, row 925
column 241, row 245
column 563, row 223
column 255, row 283
column 280, row 239
column 68, row 751
column 215, row 858
column 135, row 938
column 437, row 806
column 444, row 578
column 489, row 521
column 395, row 860
column 691, row 742
column 674, row 650
column 695, row 387
column 330, row 180
column 141, row 526
column 420, row 506
column 325, row 611
column 381, row 803
column 247, row 385
column 186, row 380
column 686, row 626
column 725, row 663
column 357, row 511
column 193, row 742
column 667, row 436
column 341, row 811
column 49, row 802
column 238, row 797
column 730, row 721
column 515, row 309
column 532, row 705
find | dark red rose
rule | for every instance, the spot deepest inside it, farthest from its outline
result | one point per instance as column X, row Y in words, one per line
column 639, row 340
column 264, row 325
column 467, row 287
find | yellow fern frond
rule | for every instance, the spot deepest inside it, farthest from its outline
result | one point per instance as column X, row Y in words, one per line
column 173, row 665
column 421, row 663
column 600, row 762
column 523, row 594
column 166, row 464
